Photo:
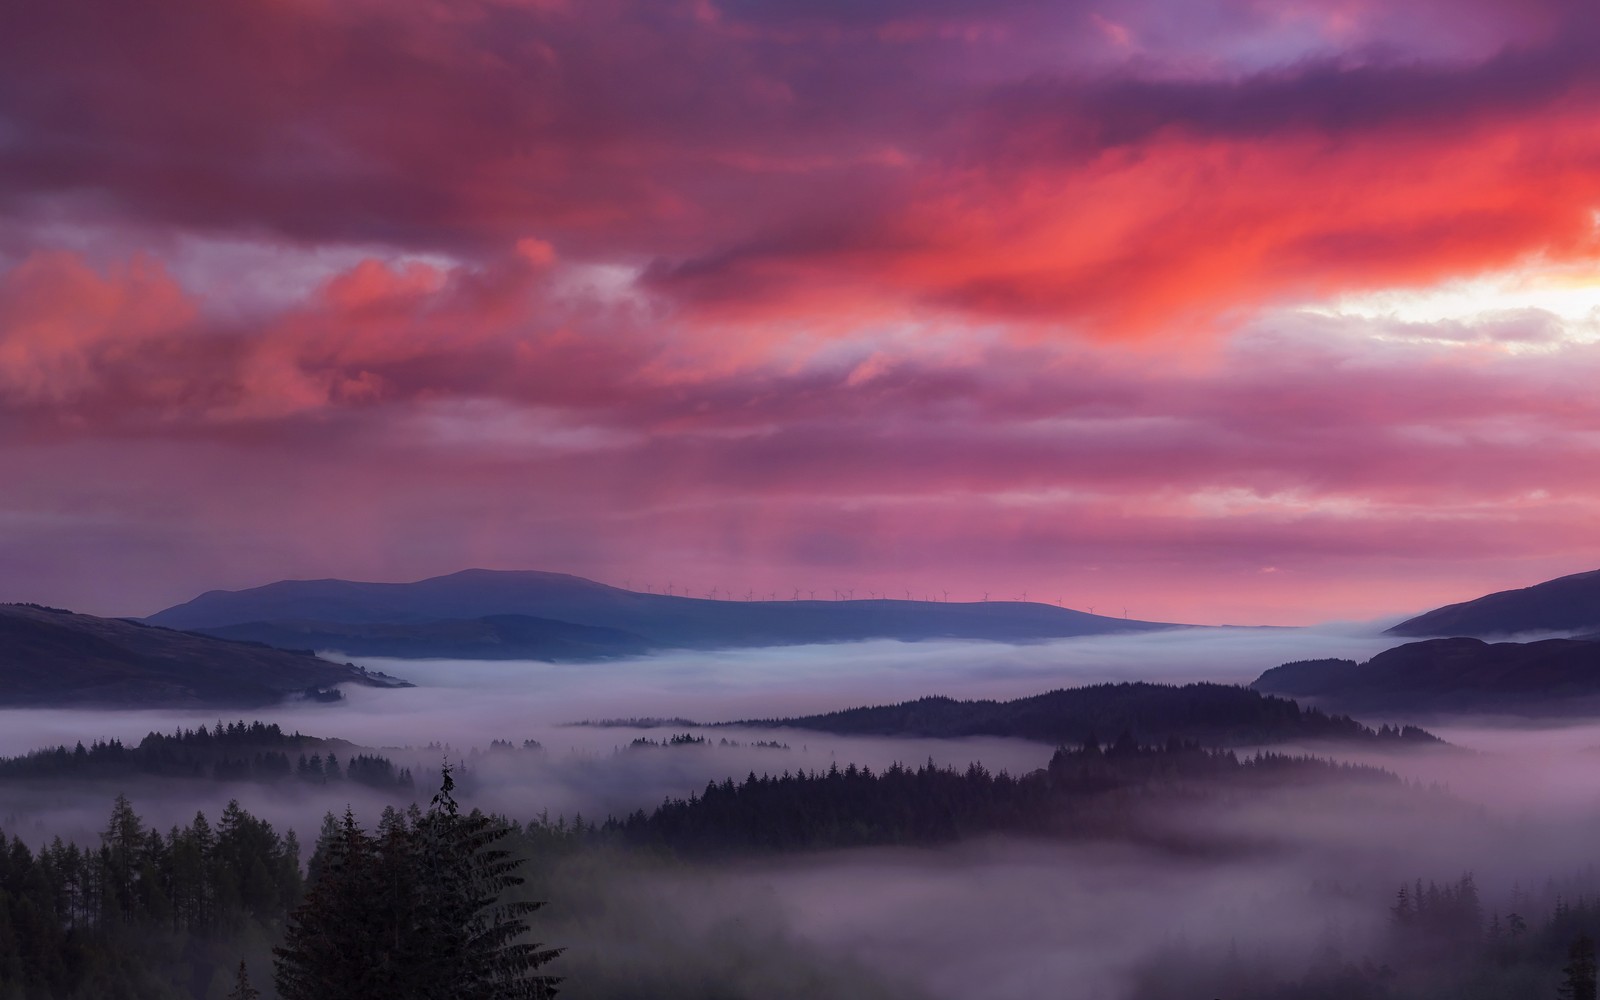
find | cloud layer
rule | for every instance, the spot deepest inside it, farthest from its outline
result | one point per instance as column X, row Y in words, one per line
column 994, row 297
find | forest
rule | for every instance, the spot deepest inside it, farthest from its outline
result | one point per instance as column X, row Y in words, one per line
column 236, row 751
column 235, row 908
column 1082, row 792
column 411, row 911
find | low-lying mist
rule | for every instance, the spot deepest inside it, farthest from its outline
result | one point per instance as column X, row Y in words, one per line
column 460, row 705
column 1286, row 873
column 461, row 702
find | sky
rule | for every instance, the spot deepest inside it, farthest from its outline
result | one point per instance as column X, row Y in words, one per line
column 1208, row 311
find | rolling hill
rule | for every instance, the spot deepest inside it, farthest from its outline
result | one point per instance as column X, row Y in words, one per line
column 458, row 604
column 1210, row 714
column 1566, row 604
column 1456, row 675
column 54, row 657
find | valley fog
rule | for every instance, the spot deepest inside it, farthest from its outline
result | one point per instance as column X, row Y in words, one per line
column 460, row 705
column 467, row 702
column 1284, row 875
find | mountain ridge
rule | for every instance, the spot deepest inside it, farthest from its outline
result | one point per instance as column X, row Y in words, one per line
column 1140, row 711
column 663, row 621
column 1565, row 604
column 1455, row 674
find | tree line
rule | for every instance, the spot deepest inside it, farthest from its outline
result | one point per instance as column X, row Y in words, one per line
column 237, row 751
column 412, row 911
column 1076, row 794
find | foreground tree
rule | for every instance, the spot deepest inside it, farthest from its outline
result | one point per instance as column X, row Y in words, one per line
column 415, row 912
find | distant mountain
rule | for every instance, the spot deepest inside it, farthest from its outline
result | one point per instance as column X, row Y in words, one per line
column 1462, row 675
column 53, row 657
column 494, row 637
column 658, row 621
column 1209, row 714
column 1567, row 604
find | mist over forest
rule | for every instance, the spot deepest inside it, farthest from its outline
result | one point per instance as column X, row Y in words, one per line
column 647, row 826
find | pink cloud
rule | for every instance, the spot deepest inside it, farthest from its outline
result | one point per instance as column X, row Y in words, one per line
column 809, row 291
column 527, row 428
column 826, row 158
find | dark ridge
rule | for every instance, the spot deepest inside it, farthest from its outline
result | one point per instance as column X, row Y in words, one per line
column 1566, row 604
column 56, row 657
column 1209, row 714
column 1456, row 675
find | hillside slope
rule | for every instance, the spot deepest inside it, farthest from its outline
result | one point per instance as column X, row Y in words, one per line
column 1210, row 714
column 1552, row 676
column 1566, row 604
column 53, row 657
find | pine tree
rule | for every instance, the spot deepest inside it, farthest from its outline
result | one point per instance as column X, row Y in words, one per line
column 331, row 948
column 479, row 954
column 119, row 854
column 242, row 990
column 415, row 912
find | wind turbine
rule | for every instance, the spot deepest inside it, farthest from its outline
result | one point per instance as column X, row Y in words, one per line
column 713, row 595
column 1091, row 609
column 669, row 588
column 851, row 593
column 1124, row 612
column 986, row 597
column 813, row 594
column 947, row 597
column 797, row 593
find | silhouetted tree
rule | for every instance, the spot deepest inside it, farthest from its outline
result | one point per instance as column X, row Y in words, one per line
column 242, row 990
column 415, row 912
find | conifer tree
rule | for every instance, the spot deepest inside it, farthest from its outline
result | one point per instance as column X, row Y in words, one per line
column 242, row 990
column 331, row 948
column 414, row 912
column 462, row 875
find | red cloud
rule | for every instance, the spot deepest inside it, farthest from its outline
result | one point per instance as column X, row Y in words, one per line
column 815, row 160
